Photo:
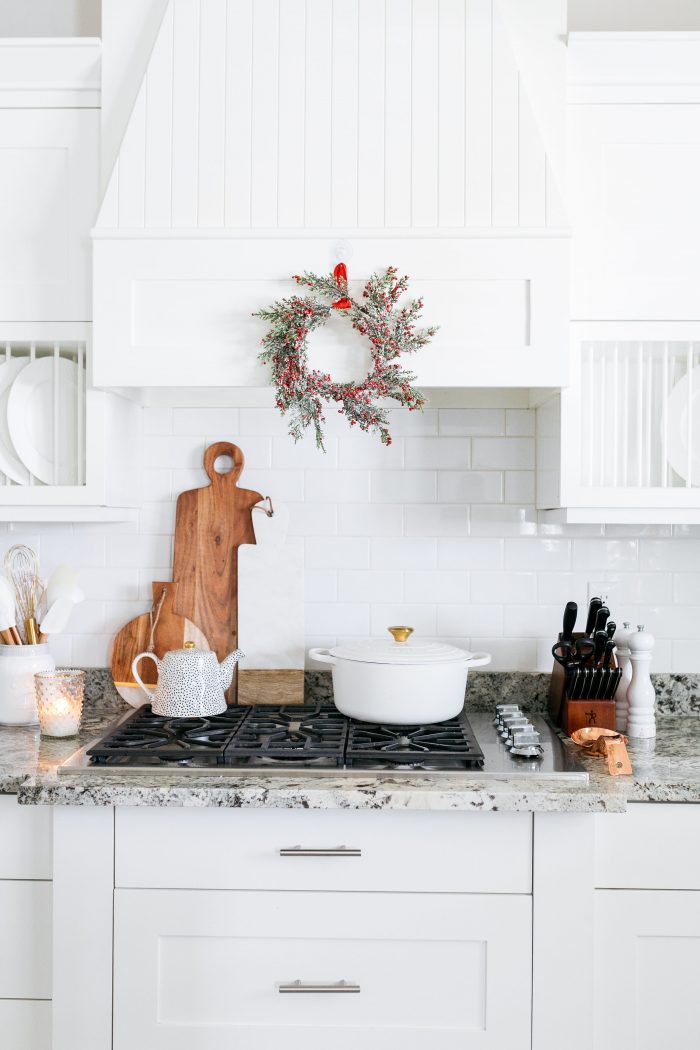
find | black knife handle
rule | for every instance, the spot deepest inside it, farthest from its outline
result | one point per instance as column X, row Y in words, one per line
column 611, row 627
column 601, row 639
column 607, row 656
column 569, row 622
column 601, row 619
column 595, row 604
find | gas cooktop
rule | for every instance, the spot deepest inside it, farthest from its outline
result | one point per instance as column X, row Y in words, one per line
column 317, row 739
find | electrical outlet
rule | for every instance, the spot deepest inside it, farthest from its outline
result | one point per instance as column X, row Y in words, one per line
column 607, row 590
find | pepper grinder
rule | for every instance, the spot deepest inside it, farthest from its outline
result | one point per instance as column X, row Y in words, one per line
column 620, row 638
column 641, row 697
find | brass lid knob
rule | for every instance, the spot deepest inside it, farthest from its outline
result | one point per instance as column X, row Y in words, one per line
column 188, row 645
column 401, row 634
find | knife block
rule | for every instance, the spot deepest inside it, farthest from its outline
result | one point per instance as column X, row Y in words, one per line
column 581, row 712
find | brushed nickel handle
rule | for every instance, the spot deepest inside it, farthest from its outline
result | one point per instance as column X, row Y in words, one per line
column 336, row 851
column 306, row 986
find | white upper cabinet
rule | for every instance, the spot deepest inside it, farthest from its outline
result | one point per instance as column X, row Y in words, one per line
column 49, row 129
column 634, row 171
column 270, row 138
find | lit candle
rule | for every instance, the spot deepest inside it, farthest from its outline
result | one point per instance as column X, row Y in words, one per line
column 59, row 697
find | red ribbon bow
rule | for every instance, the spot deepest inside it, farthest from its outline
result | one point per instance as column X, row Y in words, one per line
column 341, row 279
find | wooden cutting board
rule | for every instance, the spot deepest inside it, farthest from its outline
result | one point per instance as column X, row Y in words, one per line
column 271, row 616
column 211, row 523
column 171, row 632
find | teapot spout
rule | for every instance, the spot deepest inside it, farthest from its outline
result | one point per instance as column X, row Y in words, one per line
column 226, row 667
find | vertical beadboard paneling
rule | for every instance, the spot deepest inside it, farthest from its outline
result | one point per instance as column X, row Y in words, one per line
column 212, row 116
column 159, row 126
column 424, row 113
column 397, row 132
column 132, row 165
column 370, row 107
column 504, row 164
column 478, row 113
column 290, row 190
column 556, row 211
column 185, row 111
column 451, row 113
column 344, row 114
column 319, row 39
column 239, row 111
column 532, row 180
column 263, row 148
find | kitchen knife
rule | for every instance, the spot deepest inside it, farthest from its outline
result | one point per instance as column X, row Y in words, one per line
column 594, row 606
column 601, row 639
column 601, row 619
column 607, row 672
column 611, row 627
column 569, row 622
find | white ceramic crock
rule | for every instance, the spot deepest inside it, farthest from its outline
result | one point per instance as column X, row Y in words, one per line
column 399, row 682
column 18, row 665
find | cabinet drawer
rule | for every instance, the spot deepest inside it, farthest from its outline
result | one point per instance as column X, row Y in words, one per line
column 255, row 849
column 27, row 840
column 207, row 969
column 25, row 940
column 651, row 846
column 25, row 1024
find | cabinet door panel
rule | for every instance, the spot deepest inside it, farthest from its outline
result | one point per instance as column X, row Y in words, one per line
column 27, row 840
column 647, row 966
column 25, row 940
column 48, row 202
column 25, row 1024
column 204, row 969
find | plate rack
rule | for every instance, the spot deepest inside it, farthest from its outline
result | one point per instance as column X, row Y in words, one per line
column 622, row 444
column 63, row 428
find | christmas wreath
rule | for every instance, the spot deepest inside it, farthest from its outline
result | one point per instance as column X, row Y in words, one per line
column 391, row 330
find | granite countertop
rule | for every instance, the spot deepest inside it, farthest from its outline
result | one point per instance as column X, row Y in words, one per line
column 668, row 770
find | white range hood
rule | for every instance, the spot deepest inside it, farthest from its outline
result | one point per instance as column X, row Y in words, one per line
column 276, row 136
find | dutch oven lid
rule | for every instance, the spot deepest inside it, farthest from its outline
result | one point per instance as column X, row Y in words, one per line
column 400, row 650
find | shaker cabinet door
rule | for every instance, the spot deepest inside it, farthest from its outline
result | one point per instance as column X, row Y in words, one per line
column 647, row 946
column 48, row 203
column 205, row 969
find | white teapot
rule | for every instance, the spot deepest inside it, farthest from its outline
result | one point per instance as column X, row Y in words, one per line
column 191, row 682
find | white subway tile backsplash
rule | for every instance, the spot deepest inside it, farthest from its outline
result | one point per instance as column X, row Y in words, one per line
column 469, row 486
column 342, row 486
column 437, row 453
column 467, row 553
column 437, row 519
column 474, row 621
column 370, row 519
column 438, row 530
column 520, row 486
column 504, row 588
column 337, row 552
column 373, row 585
column 403, row 486
column 422, row 618
column 437, row 586
column 472, row 422
column 221, row 421
column 503, row 520
column 503, row 453
column 404, row 552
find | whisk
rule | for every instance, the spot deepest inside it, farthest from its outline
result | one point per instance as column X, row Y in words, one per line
column 22, row 569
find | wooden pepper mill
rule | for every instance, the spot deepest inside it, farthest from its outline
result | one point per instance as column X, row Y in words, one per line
column 641, row 697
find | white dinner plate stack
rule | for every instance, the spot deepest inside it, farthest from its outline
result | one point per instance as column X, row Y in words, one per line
column 39, row 408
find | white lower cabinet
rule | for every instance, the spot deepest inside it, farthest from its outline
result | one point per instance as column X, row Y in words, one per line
column 25, row 1024
column 201, row 969
column 647, row 968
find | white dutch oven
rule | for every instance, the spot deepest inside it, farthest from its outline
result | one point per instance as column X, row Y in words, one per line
column 399, row 682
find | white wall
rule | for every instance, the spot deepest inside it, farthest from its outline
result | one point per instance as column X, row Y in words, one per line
column 438, row 531
column 49, row 17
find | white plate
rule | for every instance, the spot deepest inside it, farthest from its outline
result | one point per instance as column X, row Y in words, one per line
column 677, row 416
column 9, row 463
column 30, row 408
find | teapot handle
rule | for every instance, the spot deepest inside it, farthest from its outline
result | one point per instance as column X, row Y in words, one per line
column 150, row 693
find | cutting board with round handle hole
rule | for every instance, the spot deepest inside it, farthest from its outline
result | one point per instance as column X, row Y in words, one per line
column 171, row 632
column 211, row 523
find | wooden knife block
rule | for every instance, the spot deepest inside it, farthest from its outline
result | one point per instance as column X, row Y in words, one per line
column 580, row 713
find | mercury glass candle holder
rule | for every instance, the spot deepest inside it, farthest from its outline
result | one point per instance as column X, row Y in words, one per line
column 59, row 697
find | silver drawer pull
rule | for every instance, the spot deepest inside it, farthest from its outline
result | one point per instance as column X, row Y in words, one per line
column 337, row 851
column 305, row 986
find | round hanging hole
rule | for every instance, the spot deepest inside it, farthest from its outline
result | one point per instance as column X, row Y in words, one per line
column 223, row 464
